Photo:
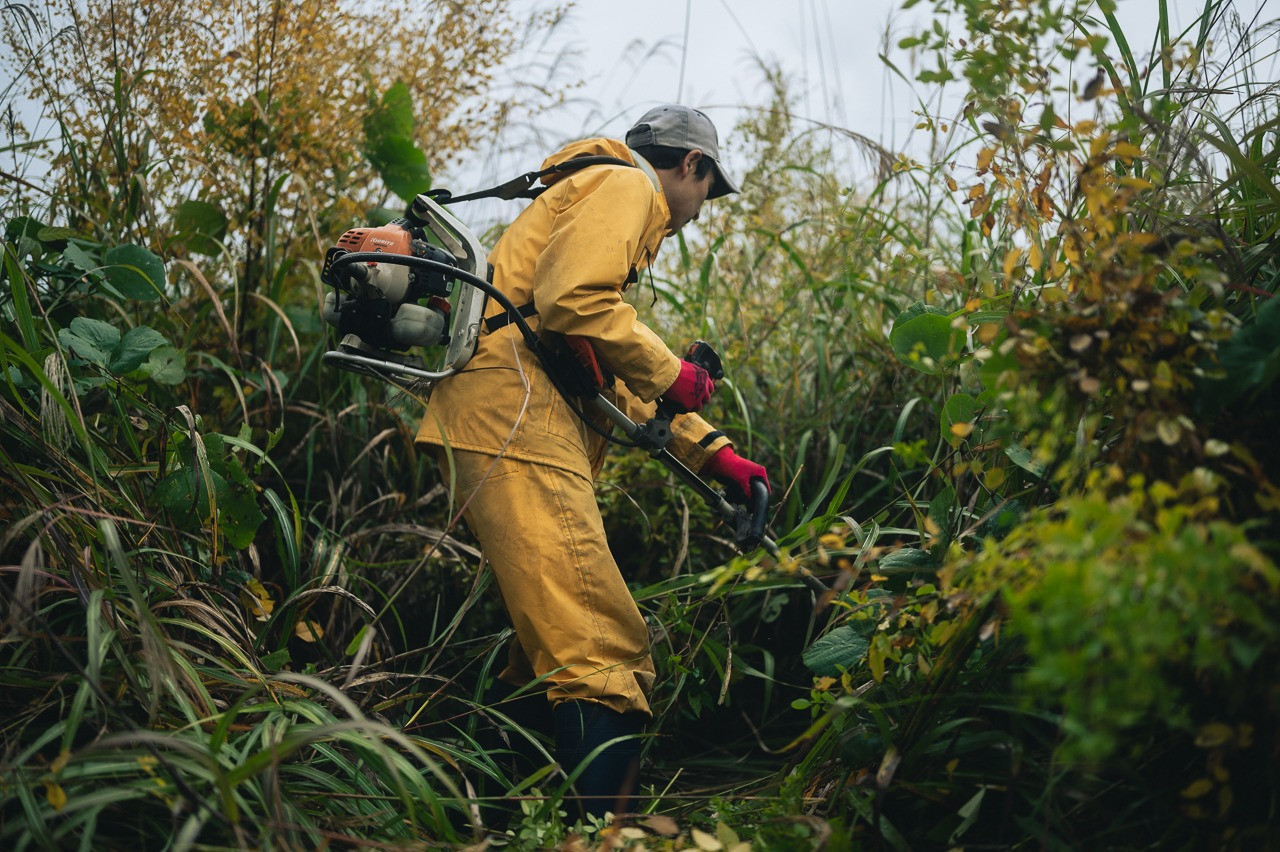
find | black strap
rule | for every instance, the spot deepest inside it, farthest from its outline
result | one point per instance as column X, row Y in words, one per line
column 521, row 187
column 505, row 318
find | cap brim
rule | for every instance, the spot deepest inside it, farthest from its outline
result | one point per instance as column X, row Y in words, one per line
column 721, row 186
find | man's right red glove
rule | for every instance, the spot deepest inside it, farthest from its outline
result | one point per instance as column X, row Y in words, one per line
column 733, row 471
column 691, row 389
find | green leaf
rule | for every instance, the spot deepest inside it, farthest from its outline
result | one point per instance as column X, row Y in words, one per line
column 841, row 648
column 354, row 644
column 135, row 272
column 906, row 560
column 238, row 514
column 923, row 338
column 401, row 165
column 182, row 493
column 389, row 145
column 201, row 224
column 20, row 226
column 1248, row 363
column 77, row 257
column 393, row 116
column 276, row 660
column 90, row 339
column 134, row 348
column 1021, row 456
column 959, row 411
column 166, row 365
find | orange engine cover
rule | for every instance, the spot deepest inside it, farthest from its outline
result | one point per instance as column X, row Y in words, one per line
column 389, row 238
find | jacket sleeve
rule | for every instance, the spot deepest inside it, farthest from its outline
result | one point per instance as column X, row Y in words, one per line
column 600, row 217
column 693, row 440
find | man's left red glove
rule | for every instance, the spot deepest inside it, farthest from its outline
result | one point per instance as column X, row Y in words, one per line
column 733, row 471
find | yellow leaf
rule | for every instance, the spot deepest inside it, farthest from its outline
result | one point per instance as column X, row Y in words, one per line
column 705, row 841
column 55, row 794
column 60, row 762
column 984, row 159
column 1214, row 734
column 1034, row 256
column 1011, row 261
column 831, row 541
column 1127, row 150
column 994, row 478
column 876, row 656
column 987, row 332
column 257, row 600
column 962, row 430
column 951, row 183
column 1197, row 788
column 660, row 824
column 1136, row 183
column 308, row 630
column 977, row 191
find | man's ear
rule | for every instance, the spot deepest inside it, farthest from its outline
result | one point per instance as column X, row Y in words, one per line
column 690, row 162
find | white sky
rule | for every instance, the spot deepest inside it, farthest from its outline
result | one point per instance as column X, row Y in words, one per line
column 633, row 56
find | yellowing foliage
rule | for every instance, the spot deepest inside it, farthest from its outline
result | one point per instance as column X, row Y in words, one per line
column 223, row 101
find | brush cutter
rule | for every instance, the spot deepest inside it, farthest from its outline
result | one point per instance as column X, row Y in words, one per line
column 393, row 290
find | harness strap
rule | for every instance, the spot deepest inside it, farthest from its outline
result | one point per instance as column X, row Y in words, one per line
column 505, row 318
column 520, row 187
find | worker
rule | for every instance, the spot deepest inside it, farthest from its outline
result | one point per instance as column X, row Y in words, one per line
column 522, row 463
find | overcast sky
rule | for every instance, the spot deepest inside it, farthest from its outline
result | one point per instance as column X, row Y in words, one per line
column 707, row 53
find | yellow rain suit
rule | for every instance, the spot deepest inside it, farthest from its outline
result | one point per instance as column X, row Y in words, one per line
column 523, row 463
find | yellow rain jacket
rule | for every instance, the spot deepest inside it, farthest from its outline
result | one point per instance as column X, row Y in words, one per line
column 523, row 463
column 571, row 253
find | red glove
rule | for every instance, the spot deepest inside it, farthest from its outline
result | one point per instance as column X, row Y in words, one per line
column 691, row 389
column 733, row 471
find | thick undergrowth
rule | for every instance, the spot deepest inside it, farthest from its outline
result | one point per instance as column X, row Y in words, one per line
column 1015, row 401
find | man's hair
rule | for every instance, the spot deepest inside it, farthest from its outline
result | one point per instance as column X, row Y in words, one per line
column 666, row 157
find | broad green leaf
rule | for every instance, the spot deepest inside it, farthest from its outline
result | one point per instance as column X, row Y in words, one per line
column 201, row 224
column 956, row 422
column 393, row 116
column 90, row 339
column 76, row 256
column 20, row 226
column 389, row 146
column 1248, row 363
column 923, row 338
column 135, row 272
column 134, row 348
column 906, row 560
column 401, row 165
column 1021, row 456
column 841, row 648
column 166, row 365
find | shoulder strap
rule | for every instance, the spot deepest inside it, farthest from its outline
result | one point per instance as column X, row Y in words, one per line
column 523, row 186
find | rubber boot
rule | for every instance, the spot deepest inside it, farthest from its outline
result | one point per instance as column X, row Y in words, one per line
column 512, row 750
column 609, row 778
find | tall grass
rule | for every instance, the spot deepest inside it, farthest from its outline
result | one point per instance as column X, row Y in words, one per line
column 239, row 613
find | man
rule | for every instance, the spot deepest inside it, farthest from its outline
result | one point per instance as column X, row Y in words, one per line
column 522, row 462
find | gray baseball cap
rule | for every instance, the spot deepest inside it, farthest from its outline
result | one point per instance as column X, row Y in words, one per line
column 676, row 126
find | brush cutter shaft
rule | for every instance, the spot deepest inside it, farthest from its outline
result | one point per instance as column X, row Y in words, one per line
column 747, row 522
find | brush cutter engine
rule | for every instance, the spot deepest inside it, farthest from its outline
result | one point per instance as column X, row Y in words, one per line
column 394, row 290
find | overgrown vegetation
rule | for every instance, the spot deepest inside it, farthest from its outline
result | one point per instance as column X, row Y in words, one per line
column 1017, row 402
